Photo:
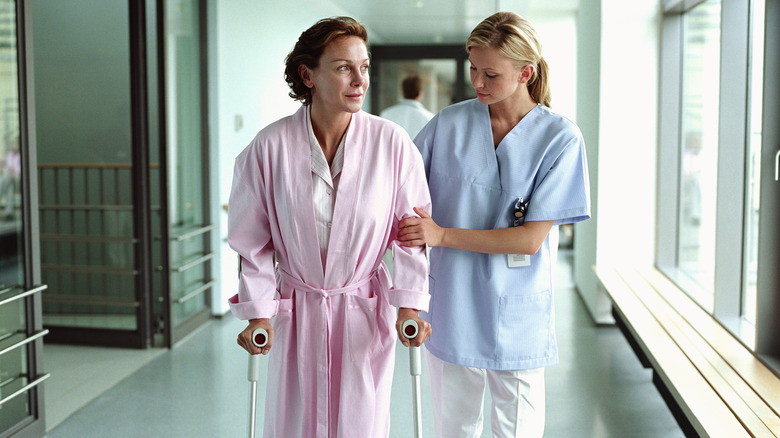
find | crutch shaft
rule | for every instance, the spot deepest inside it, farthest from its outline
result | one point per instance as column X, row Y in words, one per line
column 417, row 406
column 410, row 330
column 252, row 409
column 415, row 364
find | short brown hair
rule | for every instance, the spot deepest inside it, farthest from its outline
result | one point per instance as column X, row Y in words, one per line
column 411, row 87
column 309, row 48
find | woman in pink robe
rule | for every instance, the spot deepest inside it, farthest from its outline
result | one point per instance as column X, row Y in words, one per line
column 328, row 303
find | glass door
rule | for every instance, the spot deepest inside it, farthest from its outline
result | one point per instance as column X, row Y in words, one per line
column 184, row 224
column 21, row 395
column 90, row 173
column 123, row 183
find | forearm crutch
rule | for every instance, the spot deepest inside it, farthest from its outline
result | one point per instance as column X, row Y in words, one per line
column 410, row 330
column 260, row 339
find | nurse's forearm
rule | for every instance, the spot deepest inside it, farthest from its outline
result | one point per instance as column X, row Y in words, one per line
column 525, row 239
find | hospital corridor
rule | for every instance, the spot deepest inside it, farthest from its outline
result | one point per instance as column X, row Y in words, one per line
column 200, row 389
column 589, row 201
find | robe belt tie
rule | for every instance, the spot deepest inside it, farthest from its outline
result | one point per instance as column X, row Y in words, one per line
column 323, row 391
column 302, row 286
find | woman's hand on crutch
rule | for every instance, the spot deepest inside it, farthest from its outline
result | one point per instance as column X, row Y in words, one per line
column 245, row 337
column 423, row 328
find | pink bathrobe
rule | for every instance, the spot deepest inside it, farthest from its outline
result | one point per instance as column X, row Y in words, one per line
column 331, row 365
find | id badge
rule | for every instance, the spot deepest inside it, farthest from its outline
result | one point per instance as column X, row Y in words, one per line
column 518, row 260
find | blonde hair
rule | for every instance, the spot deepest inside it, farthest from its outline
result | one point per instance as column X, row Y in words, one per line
column 515, row 38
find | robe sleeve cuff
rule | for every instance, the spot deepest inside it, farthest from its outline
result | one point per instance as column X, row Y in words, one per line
column 253, row 309
column 409, row 299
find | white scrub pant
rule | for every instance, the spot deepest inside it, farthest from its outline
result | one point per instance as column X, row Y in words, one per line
column 458, row 394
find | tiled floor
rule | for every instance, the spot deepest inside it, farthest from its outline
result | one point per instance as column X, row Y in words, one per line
column 80, row 374
column 200, row 388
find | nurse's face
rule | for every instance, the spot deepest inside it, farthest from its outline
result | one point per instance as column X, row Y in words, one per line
column 493, row 76
column 340, row 81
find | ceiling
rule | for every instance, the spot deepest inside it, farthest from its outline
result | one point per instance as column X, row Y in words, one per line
column 439, row 21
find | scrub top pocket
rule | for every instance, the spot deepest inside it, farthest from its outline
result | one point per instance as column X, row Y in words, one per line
column 525, row 329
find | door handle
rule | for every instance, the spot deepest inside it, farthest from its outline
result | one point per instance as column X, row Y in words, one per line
column 777, row 165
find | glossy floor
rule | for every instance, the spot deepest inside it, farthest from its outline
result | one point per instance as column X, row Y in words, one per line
column 200, row 389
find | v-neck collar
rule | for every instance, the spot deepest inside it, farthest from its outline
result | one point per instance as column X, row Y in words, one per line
column 319, row 164
column 344, row 215
column 512, row 132
column 493, row 154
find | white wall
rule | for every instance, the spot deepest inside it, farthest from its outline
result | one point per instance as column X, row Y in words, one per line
column 248, row 42
column 558, row 34
column 588, row 116
column 617, row 112
column 628, row 130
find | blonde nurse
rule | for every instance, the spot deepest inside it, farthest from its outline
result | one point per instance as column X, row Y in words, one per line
column 504, row 171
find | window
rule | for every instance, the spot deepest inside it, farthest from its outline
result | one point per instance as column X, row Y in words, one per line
column 711, row 158
column 699, row 147
column 753, row 165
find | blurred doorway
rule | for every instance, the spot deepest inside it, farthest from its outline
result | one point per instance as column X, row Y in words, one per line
column 125, row 228
column 444, row 79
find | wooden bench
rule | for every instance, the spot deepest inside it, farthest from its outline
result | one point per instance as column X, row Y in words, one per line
column 713, row 384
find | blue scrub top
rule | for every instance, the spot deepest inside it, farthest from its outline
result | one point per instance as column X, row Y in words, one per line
column 483, row 313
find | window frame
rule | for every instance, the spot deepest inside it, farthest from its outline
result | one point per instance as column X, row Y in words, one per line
column 732, row 131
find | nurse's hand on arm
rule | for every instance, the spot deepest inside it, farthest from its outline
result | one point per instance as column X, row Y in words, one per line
column 525, row 239
column 423, row 328
column 245, row 337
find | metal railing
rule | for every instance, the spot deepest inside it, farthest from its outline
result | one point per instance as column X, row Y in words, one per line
column 87, row 237
column 88, row 245
column 17, row 294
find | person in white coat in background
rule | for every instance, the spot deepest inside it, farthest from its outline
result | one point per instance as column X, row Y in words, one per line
column 410, row 112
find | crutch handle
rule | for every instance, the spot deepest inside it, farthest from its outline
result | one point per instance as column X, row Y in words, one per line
column 410, row 330
column 260, row 338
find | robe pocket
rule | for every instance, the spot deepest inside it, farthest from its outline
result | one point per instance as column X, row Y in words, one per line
column 285, row 332
column 525, row 327
column 364, row 324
